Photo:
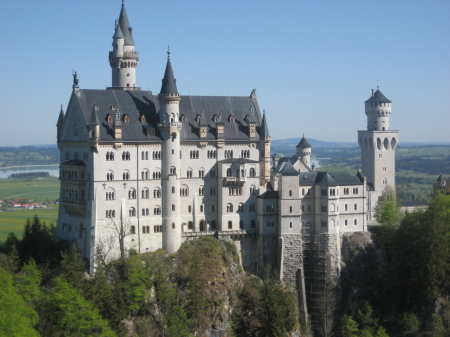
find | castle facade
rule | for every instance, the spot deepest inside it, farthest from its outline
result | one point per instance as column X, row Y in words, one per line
column 147, row 171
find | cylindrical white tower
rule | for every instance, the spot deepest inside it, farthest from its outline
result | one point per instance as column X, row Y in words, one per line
column 170, row 128
column 378, row 110
column 123, row 59
column 304, row 151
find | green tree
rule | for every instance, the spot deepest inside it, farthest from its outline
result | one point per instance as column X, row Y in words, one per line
column 70, row 314
column 73, row 266
column 278, row 307
column 28, row 282
column 349, row 327
column 410, row 325
column 16, row 318
column 388, row 209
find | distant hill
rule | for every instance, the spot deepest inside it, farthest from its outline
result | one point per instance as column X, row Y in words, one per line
column 288, row 145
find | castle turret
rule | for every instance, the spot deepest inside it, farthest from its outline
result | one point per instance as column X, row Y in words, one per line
column 123, row 58
column 59, row 124
column 94, row 125
column 265, row 140
column 304, row 151
column 378, row 146
column 170, row 127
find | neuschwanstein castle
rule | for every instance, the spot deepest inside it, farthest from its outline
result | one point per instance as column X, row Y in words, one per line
column 146, row 171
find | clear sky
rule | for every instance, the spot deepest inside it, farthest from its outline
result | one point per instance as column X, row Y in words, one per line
column 313, row 63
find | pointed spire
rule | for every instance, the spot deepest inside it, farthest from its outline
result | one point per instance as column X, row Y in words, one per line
column 169, row 84
column 264, row 133
column 118, row 33
column 125, row 26
column 61, row 116
column 303, row 143
column 94, row 118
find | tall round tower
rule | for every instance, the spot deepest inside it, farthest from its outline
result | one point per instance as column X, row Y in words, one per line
column 304, row 151
column 123, row 58
column 378, row 110
column 170, row 128
column 378, row 144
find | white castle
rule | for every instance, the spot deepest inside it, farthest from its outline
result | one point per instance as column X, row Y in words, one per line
column 143, row 171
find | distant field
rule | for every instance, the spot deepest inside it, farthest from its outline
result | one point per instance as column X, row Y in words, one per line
column 15, row 220
column 35, row 189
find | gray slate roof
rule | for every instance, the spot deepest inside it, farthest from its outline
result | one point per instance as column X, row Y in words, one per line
column 303, row 143
column 169, row 83
column 335, row 178
column 288, row 169
column 378, row 97
column 134, row 104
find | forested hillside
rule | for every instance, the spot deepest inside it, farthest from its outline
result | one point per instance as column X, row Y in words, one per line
column 28, row 155
column 201, row 290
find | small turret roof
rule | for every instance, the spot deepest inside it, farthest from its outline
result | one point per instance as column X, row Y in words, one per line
column 125, row 27
column 288, row 169
column 264, row 129
column 61, row 116
column 118, row 33
column 303, row 143
column 378, row 97
column 94, row 118
column 169, row 84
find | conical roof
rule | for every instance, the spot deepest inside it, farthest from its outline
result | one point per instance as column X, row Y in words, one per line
column 288, row 169
column 125, row 27
column 264, row 133
column 303, row 143
column 378, row 97
column 94, row 118
column 61, row 116
column 118, row 33
column 169, row 85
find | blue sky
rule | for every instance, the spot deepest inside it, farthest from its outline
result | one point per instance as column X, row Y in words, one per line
column 313, row 63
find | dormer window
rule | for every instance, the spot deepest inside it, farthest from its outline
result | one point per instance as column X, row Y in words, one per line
column 109, row 118
column 126, row 119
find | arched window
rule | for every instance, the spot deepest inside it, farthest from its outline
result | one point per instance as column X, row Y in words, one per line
column 131, row 193
column 126, row 175
column 157, row 193
column 132, row 211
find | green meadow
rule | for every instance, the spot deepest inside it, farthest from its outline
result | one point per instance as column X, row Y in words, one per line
column 37, row 190
column 15, row 220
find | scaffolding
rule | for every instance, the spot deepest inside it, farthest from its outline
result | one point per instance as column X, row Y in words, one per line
column 319, row 298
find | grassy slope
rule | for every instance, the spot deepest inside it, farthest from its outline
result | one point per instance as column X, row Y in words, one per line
column 15, row 220
column 35, row 189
